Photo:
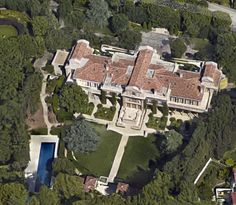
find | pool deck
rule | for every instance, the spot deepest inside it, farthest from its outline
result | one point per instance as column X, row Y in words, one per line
column 35, row 145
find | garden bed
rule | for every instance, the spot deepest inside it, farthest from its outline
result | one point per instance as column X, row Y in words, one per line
column 105, row 113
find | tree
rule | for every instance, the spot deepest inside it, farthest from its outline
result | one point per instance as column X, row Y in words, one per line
column 48, row 196
column 33, row 201
column 103, row 97
column 65, row 8
column 73, row 99
column 177, row 47
column 154, row 107
column 40, row 25
column 67, row 186
column 63, row 165
column 98, row 13
column 81, row 137
column 13, row 193
column 196, row 23
column 163, row 16
column 221, row 22
column 113, row 99
column 172, row 141
column 129, row 39
column 119, row 23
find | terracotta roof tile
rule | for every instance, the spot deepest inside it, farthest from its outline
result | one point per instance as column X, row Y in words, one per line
column 185, row 84
column 81, row 50
column 212, row 71
column 140, row 69
column 233, row 197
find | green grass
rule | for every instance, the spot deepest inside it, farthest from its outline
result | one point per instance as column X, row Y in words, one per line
column 7, row 31
column 15, row 15
column 199, row 43
column 39, row 131
column 138, row 152
column 99, row 162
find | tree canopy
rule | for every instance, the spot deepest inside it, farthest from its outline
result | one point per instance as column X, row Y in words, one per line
column 81, row 137
column 98, row 13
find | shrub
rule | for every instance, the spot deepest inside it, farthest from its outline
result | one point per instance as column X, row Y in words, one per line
column 154, row 107
column 177, row 47
column 103, row 97
column 49, row 69
column 63, row 116
column 56, row 130
column 162, row 122
column 164, row 109
column 55, row 103
column 61, row 149
column 90, row 108
column 113, row 99
column 99, row 106
column 113, row 109
column 105, row 113
column 39, row 131
column 63, row 165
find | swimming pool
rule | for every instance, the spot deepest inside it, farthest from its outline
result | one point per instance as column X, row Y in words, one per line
column 44, row 172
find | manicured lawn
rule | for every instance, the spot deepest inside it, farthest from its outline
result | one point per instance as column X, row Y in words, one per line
column 99, row 162
column 199, row 43
column 7, row 31
column 138, row 153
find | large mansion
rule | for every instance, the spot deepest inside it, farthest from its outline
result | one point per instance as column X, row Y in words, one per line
column 142, row 78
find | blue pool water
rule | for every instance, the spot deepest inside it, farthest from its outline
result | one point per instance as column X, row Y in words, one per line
column 44, row 172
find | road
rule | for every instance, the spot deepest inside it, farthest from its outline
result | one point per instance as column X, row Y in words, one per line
column 231, row 12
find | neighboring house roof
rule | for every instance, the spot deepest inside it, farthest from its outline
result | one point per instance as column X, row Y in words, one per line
column 90, row 183
column 233, row 197
column 142, row 72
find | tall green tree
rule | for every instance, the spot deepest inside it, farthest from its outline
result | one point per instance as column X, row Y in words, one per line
column 177, row 47
column 73, row 99
column 81, row 137
column 119, row 23
column 68, row 187
column 98, row 13
column 172, row 141
column 13, row 193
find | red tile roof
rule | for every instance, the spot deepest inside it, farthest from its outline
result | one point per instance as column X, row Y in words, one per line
column 182, row 83
column 140, row 69
column 233, row 197
column 213, row 72
column 81, row 50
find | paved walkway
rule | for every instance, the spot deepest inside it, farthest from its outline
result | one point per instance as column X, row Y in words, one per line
column 118, row 158
column 39, row 64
